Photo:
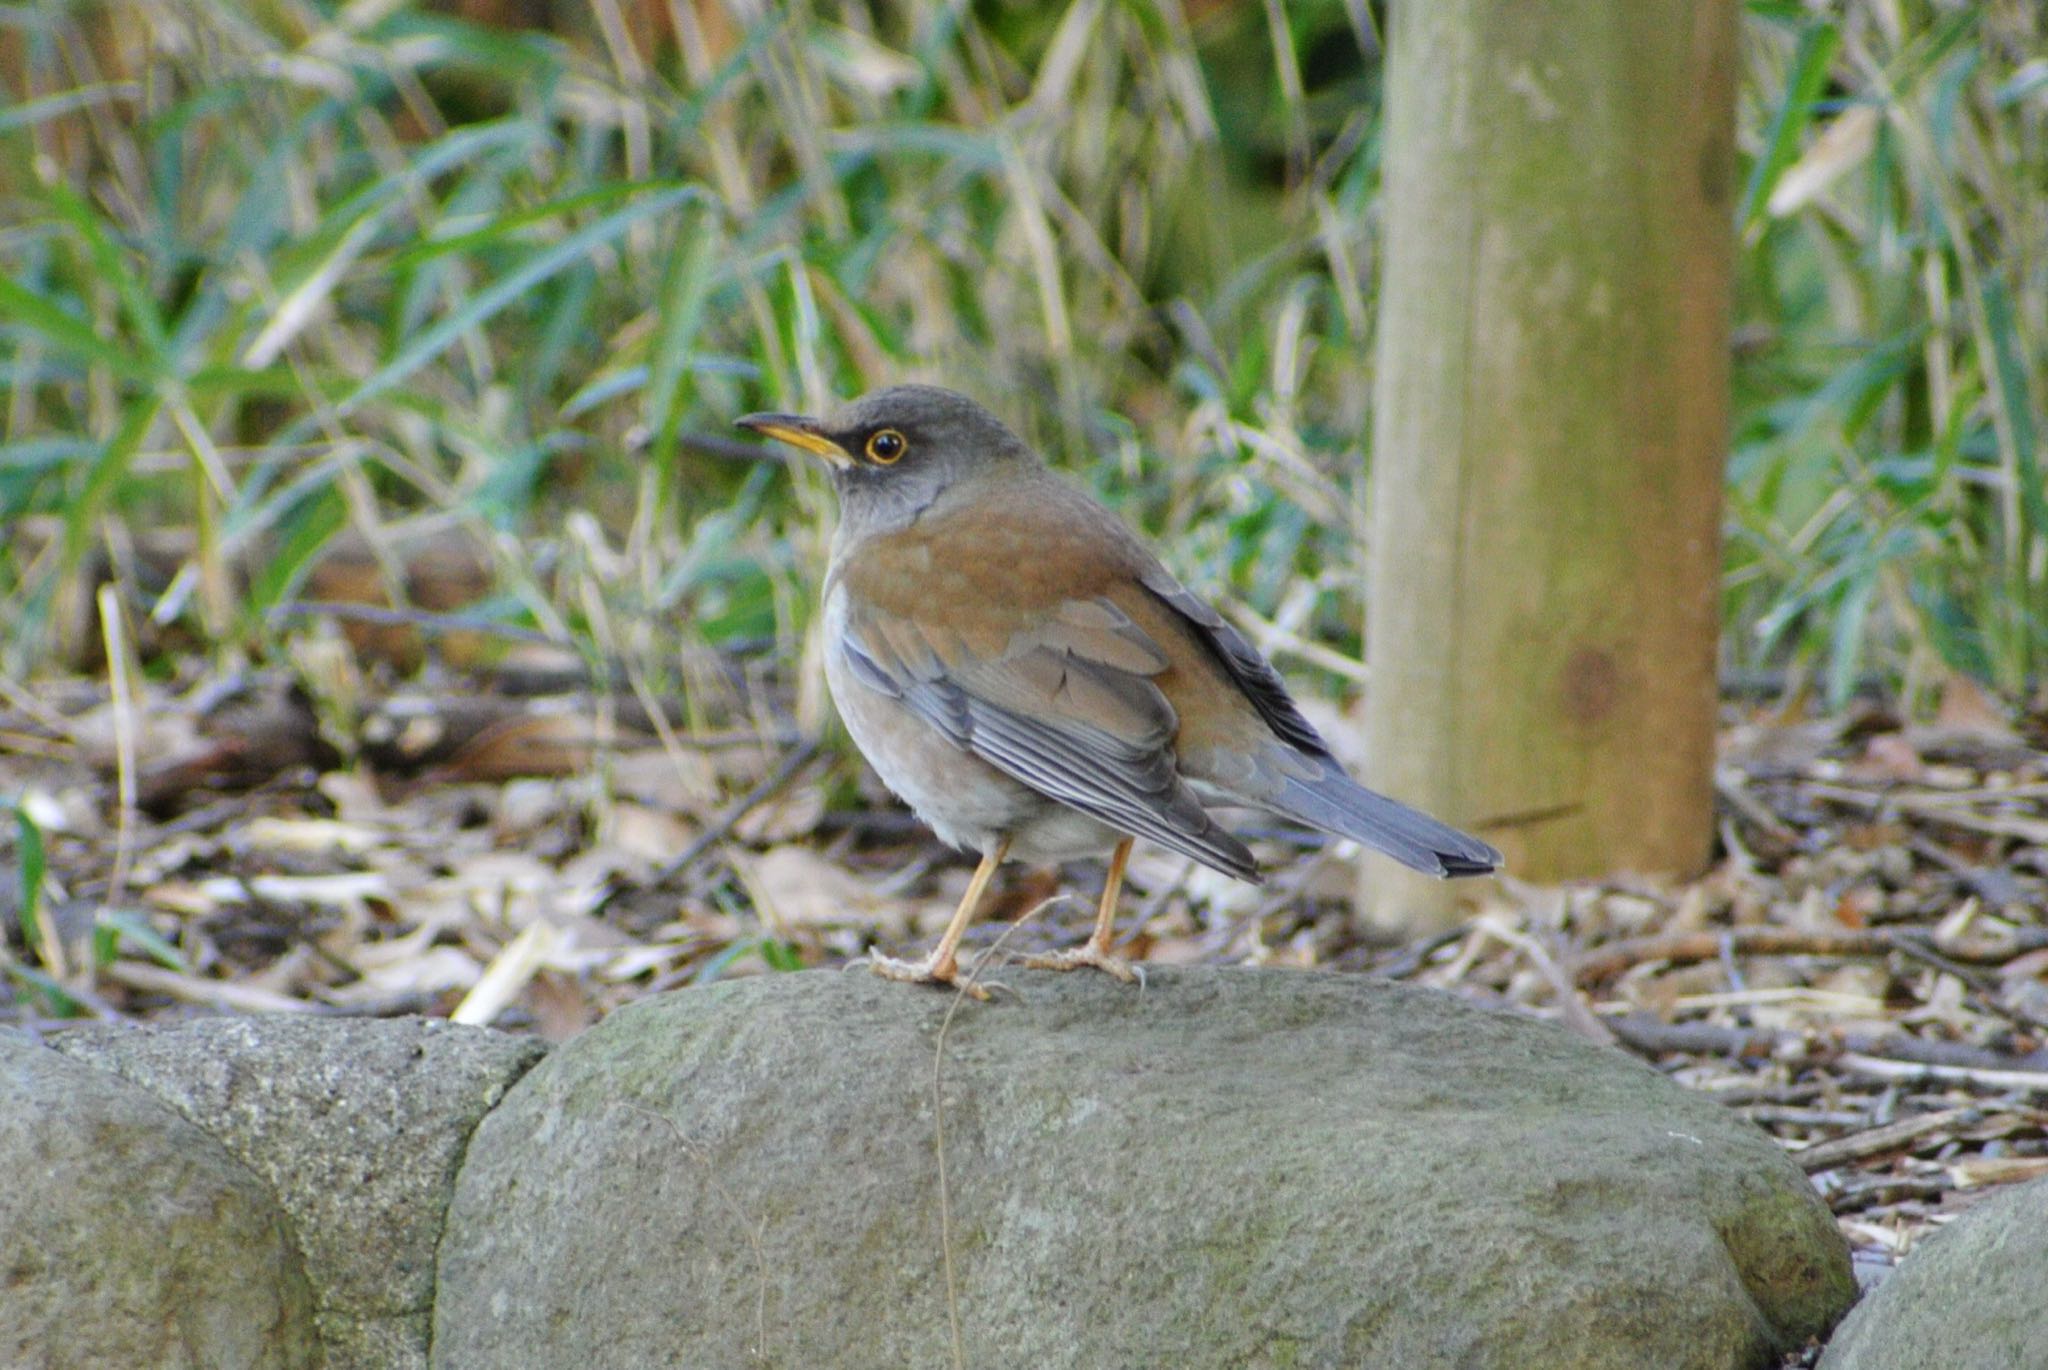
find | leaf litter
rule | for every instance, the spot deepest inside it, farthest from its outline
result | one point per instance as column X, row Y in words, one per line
column 1863, row 972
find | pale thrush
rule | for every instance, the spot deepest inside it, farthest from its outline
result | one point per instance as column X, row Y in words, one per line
column 1018, row 666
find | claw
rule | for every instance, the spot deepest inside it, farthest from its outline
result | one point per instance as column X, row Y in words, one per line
column 1087, row 954
column 932, row 971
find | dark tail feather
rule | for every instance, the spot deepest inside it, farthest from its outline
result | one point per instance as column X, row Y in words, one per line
column 1337, row 804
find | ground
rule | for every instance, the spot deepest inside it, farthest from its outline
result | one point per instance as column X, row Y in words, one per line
column 1863, row 972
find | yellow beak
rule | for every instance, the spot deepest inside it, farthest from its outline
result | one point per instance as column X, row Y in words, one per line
column 797, row 431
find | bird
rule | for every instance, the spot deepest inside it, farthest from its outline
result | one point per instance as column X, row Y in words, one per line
column 1019, row 667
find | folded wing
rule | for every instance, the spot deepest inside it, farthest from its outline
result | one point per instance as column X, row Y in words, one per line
column 1066, row 706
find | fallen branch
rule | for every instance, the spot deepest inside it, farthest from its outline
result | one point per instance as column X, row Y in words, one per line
column 1931, row 807
column 1686, row 948
column 1656, row 1037
column 1899, row 1072
column 1875, row 1141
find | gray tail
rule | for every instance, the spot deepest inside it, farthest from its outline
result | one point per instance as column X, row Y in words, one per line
column 1337, row 804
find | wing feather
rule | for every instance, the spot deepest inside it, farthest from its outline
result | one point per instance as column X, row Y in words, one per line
column 1069, row 709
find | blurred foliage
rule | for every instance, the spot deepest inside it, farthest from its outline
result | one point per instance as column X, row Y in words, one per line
column 273, row 269
column 1887, row 505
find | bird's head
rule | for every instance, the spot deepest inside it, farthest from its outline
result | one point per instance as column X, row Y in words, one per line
column 894, row 452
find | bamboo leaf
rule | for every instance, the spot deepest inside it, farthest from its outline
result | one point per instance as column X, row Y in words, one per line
column 502, row 292
column 38, row 313
column 31, row 860
column 1817, row 47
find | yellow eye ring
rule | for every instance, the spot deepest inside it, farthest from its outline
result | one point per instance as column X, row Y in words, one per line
column 886, row 447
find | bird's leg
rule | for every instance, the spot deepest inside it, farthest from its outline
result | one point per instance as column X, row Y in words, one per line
column 942, row 966
column 1095, row 951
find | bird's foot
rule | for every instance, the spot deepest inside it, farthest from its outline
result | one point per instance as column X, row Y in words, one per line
column 932, row 971
column 1088, row 954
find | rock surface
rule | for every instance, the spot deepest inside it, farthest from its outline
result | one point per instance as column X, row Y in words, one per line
column 1973, row 1296
column 1227, row 1168
column 356, row 1125
column 128, row 1237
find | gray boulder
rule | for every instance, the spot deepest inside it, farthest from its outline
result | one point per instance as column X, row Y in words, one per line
column 128, row 1237
column 1972, row 1296
column 356, row 1125
column 1225, row 1168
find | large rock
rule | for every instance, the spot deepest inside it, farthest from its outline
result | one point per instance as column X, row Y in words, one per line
column 1973, row 1296
column 357, row 1125
column 1226, row 1168
column 128, row 1237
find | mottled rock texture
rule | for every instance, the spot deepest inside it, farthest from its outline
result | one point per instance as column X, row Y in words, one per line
column 1225, row 1168
column 1973, row 1296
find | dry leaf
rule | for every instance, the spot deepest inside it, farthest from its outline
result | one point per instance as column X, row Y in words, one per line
column 682, row 782
column 1985, row 1170
column 1889, row 756
column 540, row 744
column 783, row 817
column 559, row 1005
column 515, row 964
column 437, row 970
column 1967, row 707
column 527, row 805
column 794, row 887
column 306, row 835
column 648, row 835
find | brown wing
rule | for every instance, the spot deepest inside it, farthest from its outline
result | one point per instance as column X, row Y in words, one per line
column 1253, row 675
column 1066, row 705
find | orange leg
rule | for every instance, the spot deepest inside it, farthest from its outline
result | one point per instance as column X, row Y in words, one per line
column 1095, row 951
column 942, row 967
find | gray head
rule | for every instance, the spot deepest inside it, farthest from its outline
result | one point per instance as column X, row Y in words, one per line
column 896, row 451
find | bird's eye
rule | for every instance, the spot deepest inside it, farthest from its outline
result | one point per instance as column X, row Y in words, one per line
column 886, row 446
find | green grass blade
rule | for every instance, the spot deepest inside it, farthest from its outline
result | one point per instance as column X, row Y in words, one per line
column 106, row 475
column 1817, row 47
column 117, row 927
column 24, row 308
column 503, row 291
column 682, row 315
column 31, row 860
column 110, row 264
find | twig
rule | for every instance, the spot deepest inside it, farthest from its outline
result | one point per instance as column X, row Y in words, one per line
column 1804, row 1117
column 1981, row 986
column 1656, row 1037
column 1861, row 1191
column 1578, row 1016
column 1995, row 885
column 1930, row 808
column 1413, row 957
column 1876, row 1068
column 1738, row 1091
column 1873, row 1141
column 785, row 770
column 1684, row 948
column 1983, row 1170
column 218, row 994
column 1729, row 784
